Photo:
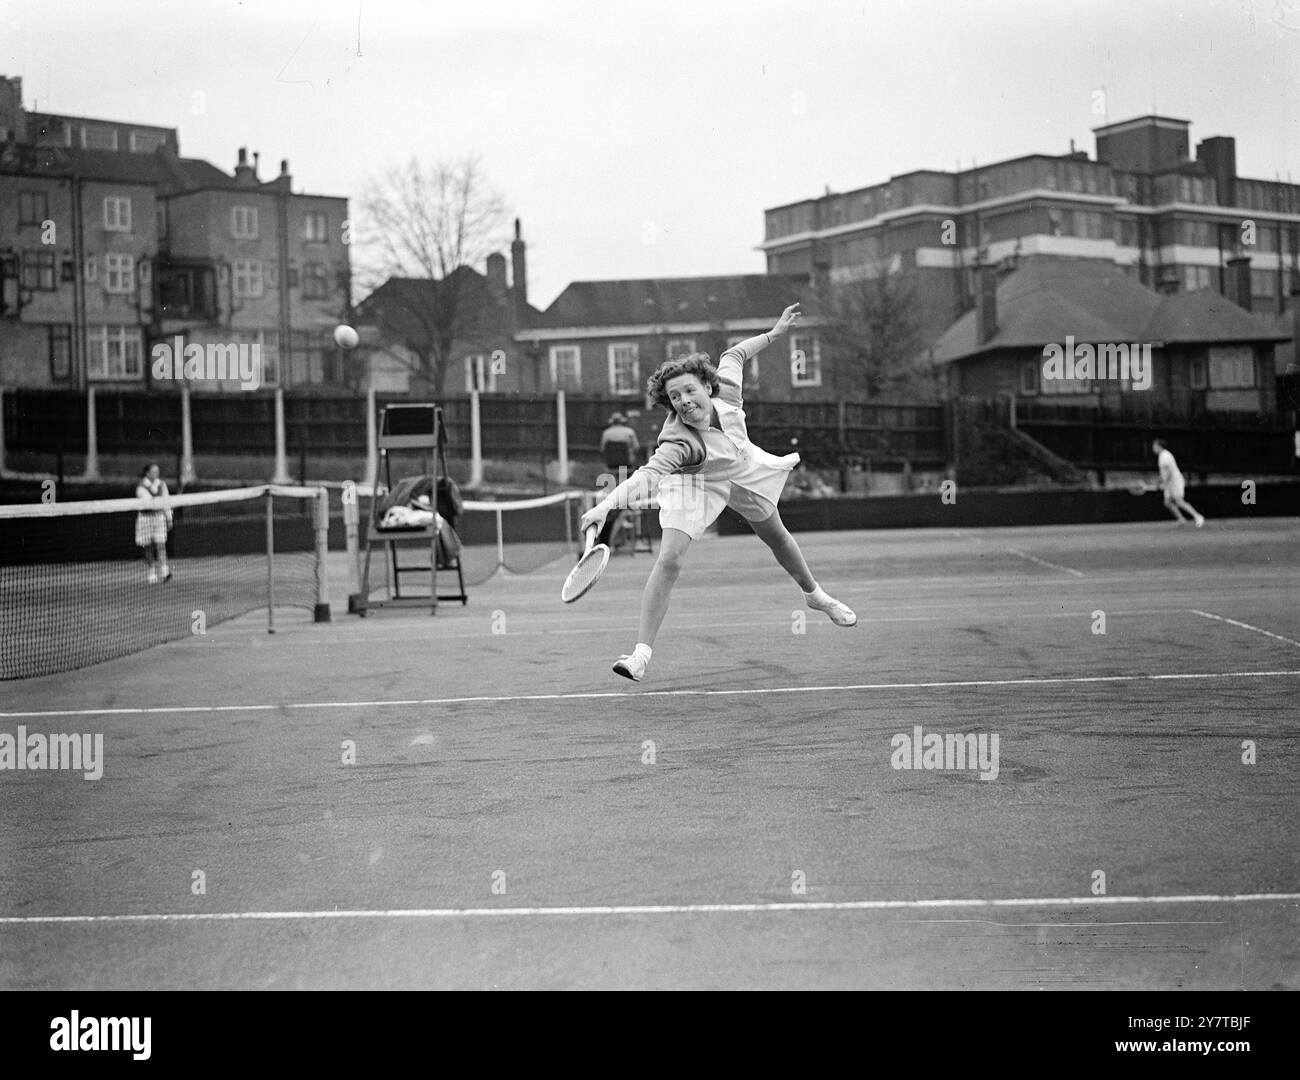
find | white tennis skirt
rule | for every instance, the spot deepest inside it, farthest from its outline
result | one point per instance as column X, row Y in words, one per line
column 150, row 529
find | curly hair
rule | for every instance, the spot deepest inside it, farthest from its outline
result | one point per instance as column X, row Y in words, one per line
column 696, row 364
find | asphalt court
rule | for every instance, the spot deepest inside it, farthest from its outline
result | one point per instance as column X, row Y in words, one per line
column 518, row 816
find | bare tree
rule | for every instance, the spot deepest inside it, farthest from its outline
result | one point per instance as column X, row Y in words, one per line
column 421, row 227
column 871, row 330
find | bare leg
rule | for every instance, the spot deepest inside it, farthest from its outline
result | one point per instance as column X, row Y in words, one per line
column 1183, row 504
column 659, row 586
column 777, row 537
column 1172, row 506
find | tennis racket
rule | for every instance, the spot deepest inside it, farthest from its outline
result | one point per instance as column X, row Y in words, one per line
column 592, row 564
column 1142, row 489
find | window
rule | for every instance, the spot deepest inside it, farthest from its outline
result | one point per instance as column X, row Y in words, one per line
column 1198, row 277
column 119, row 273
column 315, row 282
column 1196, row 373
column 145, row 142
column 1232, row 367
column 1090, row 224
column 117, row 213
column 1029, row 377
column 1066, row 386
column 33, row 207
column 98, row 138
column 113, row 352
column 566, row 366
column 624, row 370
column 248, row 277
column 1263, row 283
column 314, row 228
column 805, row 361
column 38, row 271
column 243, row 222
column 480, row 374
column 269, row 352
column 60, row 353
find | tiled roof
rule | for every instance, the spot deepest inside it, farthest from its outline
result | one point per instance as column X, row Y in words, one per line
column 672, row 300
column 160, row 169
column 1046, row 299
column 400, row 299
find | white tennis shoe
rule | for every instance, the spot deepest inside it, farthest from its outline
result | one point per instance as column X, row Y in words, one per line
column 631, row 667
column 840, row 614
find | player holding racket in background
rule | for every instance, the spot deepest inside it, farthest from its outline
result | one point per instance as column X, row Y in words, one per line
column 1173, row 484
column 151, row 525
column 704, row 461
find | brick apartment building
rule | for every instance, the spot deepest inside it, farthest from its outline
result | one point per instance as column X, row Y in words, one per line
column 111, row 242
column 1173, row 222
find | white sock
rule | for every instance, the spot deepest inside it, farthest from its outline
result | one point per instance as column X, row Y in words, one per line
column 817, row 595
column 643, row 650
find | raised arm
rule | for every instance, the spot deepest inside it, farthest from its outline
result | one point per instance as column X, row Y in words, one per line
column 731, row 365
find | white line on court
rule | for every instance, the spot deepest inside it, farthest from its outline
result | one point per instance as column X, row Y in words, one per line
column 1044, row 562
column 652, row 909
column 257, row 641
column 505, row 698
column 1245, row 626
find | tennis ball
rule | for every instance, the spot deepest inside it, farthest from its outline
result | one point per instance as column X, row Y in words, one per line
column 346, row 337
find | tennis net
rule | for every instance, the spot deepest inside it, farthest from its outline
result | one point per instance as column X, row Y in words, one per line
column 75, row 589
column 519, row 536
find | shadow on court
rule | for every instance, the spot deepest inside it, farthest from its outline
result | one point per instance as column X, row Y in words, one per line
column 476, row 800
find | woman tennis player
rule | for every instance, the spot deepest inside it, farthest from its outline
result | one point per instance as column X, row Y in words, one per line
column 151, row 525
column 704, row 461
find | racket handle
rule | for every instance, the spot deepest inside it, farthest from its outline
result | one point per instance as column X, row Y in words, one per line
column 590, row 534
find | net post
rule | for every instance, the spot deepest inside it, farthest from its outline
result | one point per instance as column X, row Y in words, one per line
column 187, row 476
column 2, row 431
column 475, row 441
column 562, row 435
column 270, row 562
column 501, row 543
column 372, row 437
column 322, row 610
column 281, row 457
column 352, row 538
column 91, row 470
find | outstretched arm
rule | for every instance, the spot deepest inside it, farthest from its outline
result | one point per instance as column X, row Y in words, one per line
column 731, row 366
column 669, row 457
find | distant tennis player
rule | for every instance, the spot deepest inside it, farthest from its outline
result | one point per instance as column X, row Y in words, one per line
column 1173, row 484
column 151, row 525
column 704, row 461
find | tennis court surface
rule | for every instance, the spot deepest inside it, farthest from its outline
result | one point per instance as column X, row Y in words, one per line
column 517, row 816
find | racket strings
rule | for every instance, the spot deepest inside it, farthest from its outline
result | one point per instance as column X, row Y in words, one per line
column 585, row 573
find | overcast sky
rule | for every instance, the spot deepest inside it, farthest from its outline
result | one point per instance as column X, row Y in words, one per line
column 645, row 139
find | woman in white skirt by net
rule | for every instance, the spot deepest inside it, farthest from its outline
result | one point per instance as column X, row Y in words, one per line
column 151, row 525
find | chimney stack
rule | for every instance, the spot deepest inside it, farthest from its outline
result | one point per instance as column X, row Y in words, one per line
column 243, row 171
column 496, row 277
column 1219, row 156
column 519, row 271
